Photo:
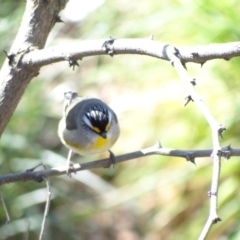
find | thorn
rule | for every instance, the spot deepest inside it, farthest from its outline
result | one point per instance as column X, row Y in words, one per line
column 216, row 220
column 227, row 153
column 176, row 52
column 10, row 57
column 202, row 63
column 221, row 130
column 190, row 158
column 192, row 161
column 195, row 54
column 108, row 46
column 58, row 19
column 184, row 65
column 193, row 82
column 72, row 63
column 187, row 100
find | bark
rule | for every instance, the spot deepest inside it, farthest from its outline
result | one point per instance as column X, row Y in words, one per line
column 39, row 18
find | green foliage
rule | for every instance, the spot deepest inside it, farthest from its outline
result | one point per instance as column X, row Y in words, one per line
column 154, row 197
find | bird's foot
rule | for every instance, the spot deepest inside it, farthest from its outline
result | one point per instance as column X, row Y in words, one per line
column 112, row 160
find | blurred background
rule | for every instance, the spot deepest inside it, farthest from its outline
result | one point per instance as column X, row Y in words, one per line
column 150, row 198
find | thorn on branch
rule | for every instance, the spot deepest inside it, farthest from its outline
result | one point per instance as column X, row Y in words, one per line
column 187, row 100
column 216, row 220
column 227, row 153
column 58, row 19
column 176, row 52
column 184, row 65
column 10, row 57
column 193, row 82
column 108, row 46
column 195, row 55
column 221, row 129
column 190, row 158
column 202, row 63
column 72, row 63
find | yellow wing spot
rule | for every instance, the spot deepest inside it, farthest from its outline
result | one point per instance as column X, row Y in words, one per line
column 96, row 129
column 107, row 127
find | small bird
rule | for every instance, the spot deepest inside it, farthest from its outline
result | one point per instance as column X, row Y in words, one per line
column 88, row 126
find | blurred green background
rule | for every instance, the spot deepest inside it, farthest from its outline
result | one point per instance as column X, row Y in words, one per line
column 150, row 198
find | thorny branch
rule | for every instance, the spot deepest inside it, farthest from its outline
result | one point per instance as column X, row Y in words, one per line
column 77, row 50
column 189, row 155
column 26, row 57
column 216, row 130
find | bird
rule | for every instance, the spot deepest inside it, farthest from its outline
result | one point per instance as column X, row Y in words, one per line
column 88, row 126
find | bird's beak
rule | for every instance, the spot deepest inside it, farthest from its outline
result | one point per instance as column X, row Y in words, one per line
column 103, row 135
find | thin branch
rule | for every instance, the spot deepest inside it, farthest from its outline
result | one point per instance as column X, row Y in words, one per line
column 154, row 150
column 4, row 208
column 216, row 129
column 46, row 207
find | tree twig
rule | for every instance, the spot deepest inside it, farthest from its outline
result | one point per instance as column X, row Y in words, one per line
column 46, row 207
column 154, row 150
column 216, row 130
column 4, row 208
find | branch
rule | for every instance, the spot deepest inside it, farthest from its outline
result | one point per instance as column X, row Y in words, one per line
column 49, row 192
column 78, row 50
column 4, row 208
column 38, row 20
column 189, row 155
column 25, row 59
column 216, row 130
